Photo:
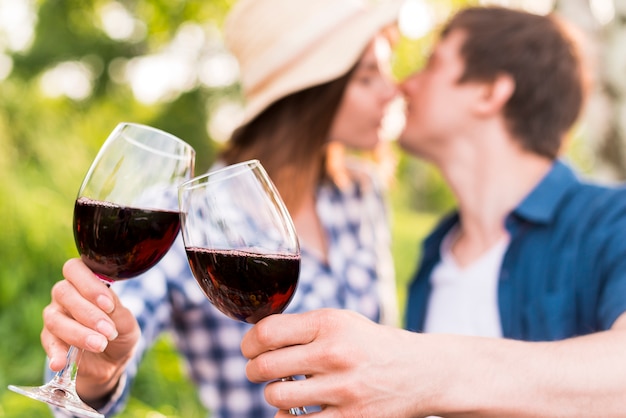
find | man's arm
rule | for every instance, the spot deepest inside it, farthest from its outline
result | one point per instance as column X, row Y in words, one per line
column 358, row 368
column 577, row 377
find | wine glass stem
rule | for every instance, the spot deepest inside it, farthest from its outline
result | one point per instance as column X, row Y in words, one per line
column 66, row 378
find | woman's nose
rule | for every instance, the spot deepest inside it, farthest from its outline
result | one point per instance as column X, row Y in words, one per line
column 408, row 85
column 389, row 90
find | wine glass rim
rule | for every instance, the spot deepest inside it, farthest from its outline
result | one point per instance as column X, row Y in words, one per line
column 199, row 181
column 176, row 139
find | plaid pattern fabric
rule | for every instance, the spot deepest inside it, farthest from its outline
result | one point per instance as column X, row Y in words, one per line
column 168, row 299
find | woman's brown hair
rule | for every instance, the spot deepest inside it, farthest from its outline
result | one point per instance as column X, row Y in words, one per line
column 290, row 139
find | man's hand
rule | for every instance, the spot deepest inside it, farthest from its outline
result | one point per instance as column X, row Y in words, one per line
column 354, row 367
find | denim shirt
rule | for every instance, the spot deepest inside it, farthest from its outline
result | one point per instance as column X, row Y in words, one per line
column 564, row 273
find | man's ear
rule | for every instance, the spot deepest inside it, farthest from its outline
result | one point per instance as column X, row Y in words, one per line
column 494, row 95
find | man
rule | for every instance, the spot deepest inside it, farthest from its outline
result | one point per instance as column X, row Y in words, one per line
column 532, row 254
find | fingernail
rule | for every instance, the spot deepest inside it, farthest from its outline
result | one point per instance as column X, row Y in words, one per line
column 105, row 303
column 97, row 342
column 105, row 328
column 52, row 361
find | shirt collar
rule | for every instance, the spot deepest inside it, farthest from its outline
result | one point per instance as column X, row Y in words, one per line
column 541, row 205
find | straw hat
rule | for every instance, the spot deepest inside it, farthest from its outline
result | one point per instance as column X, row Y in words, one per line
column 284, row 46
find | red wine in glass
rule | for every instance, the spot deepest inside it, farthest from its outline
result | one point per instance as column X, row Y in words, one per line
column 119, row 242
column 125, row 220
column 241, row 243
column 245, row 286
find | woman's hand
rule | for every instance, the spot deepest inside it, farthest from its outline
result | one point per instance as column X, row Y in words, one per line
column 85, row 313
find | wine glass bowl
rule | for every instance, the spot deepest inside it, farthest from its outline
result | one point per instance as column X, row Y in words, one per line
column 125, row 220
column 241, row 243
column 126, row 214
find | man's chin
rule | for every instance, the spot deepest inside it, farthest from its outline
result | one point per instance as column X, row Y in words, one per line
column 410, row 144
column 405, row 141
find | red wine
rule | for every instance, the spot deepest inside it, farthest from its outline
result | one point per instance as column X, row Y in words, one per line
column 119, row 242
column 243, row 285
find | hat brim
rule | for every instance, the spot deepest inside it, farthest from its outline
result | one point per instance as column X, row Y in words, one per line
column 328, row 59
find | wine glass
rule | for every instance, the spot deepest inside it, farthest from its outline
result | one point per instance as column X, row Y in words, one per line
column 241, row 243
column 125, row 220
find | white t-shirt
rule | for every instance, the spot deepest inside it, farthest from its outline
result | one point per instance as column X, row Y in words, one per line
column 464, row 300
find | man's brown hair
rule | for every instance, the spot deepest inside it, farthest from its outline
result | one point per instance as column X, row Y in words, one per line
column 543, row 60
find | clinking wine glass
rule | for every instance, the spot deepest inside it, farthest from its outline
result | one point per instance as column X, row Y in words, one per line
column 125, row 220
column 241, row 243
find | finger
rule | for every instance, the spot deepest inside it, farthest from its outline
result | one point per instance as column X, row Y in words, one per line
column 56, row 350
column 69, row 304
column 88, row 284
column 123, row 317
column 298, row 360
column 287, row 394
column 281, row 394
column 71, row 332
column 276, row 331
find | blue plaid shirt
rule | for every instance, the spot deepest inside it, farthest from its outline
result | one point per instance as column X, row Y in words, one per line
column 358, row 276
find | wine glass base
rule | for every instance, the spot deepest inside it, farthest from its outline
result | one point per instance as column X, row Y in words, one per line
column 58, row 396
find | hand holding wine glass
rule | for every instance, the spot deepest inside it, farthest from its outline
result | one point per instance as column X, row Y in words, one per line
column 240, row 242
column 125, row 220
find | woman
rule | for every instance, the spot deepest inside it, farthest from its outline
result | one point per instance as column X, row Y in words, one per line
column 313, row 88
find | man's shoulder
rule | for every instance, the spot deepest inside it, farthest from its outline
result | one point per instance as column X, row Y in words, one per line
column 596, row 198
column 587, row 213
